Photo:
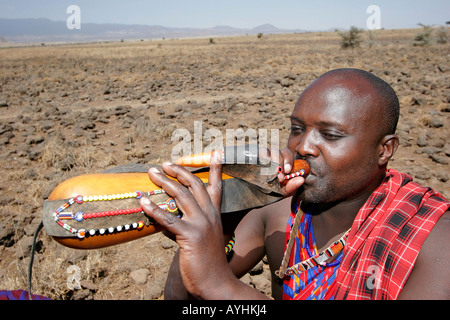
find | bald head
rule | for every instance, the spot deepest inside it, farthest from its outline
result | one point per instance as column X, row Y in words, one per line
column 382, row 96
column 344, row 125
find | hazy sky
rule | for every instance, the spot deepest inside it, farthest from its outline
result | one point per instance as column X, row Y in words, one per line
column 285, row 14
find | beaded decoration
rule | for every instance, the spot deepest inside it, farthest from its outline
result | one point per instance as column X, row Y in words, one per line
column 229, row 247
column 318, row 259
column 60, row 215
column 300, row 173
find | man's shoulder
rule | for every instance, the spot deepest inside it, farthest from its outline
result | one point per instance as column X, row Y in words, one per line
column 277, row 211
column 442, row 227
column 439, row 236
column 408, row 192
column 430, row 277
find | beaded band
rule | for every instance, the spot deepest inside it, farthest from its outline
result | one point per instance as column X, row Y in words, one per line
column 300, row 173
column 318, row 259
column 60, row 215
column 229, row 247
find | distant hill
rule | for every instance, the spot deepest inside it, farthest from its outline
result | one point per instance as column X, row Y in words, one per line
column 45, row 30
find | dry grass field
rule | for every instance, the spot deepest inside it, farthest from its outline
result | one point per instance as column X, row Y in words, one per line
column 66, row 110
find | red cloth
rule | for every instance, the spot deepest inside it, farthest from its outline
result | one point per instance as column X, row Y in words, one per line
column 19, row 295
column 386, row 237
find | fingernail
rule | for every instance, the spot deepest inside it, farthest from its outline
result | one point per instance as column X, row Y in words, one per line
column 217, row 156
column 287, row 167
column 155, row 170
column 167, row 163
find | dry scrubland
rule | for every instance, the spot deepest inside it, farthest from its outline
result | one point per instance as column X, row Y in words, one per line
column 73, row 109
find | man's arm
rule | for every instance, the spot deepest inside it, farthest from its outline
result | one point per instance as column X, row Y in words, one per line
column 203, row 265
column 430, row 278
column 247, row 252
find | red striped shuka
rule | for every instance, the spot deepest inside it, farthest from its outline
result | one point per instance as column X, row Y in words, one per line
column 386, row 237
column 380, row 250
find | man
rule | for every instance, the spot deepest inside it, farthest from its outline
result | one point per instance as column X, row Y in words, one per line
column 394, row 233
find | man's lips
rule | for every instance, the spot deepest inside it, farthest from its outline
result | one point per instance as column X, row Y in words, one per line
column 311, row 176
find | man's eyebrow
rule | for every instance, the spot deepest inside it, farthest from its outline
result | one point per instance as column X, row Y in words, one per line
column 321, row 123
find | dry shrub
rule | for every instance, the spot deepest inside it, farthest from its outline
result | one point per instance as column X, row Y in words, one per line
column 351, row 38
column 423, row 38
column 84, row 157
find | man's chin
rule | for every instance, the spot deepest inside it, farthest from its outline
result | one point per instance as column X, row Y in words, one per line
column 309, row 194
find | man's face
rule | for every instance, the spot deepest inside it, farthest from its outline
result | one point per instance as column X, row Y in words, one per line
column 334, row 128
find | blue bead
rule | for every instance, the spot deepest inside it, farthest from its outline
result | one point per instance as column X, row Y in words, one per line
column 79, row 216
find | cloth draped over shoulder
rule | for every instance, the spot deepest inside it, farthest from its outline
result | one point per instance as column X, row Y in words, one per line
column 386, row 237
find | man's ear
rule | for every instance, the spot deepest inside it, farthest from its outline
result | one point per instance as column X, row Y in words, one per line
column 388, row 146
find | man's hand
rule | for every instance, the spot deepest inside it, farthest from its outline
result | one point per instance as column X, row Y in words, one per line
column 199, row 231
column 285, row 158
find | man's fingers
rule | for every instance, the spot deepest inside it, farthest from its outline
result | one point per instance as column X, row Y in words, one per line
column 196, row 187
column 169, row 221
column 215, row 180
column 288, row 160
column 292, row 185
column 183, row 197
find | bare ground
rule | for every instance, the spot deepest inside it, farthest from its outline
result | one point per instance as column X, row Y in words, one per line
column 73, row 109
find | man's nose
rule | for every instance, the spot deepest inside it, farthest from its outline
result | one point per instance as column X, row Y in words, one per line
column 307, row 145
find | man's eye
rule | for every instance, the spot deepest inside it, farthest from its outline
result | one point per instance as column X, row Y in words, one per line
column 331, row 135
column 297, row 129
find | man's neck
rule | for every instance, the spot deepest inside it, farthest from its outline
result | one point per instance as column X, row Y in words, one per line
column 338, row 217
column 331, row 220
